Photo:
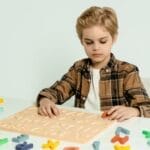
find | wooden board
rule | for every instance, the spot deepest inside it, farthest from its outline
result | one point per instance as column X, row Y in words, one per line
column 71, row 125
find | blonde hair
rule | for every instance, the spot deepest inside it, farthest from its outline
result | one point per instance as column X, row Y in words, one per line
column 105, row 17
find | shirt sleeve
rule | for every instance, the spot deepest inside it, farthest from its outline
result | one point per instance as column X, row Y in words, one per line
column 61, row 90
column 135, row 92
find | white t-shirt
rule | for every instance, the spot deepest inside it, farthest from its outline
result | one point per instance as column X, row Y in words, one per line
column 92, row 103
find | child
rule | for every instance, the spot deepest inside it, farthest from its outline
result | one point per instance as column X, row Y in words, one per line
column 99, row 82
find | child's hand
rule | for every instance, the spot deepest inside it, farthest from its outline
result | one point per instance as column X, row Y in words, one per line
column 122, row 113
column 48, row 108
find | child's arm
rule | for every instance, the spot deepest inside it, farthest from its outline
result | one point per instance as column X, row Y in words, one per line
column 138, row 102
column 135, row 92
column 60, row 91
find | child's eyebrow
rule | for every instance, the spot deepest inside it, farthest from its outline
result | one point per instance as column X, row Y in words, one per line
column 102, row 38
column 87, row 39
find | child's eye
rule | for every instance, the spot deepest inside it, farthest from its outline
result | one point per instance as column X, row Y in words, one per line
column 89, row 43
column 103, row 42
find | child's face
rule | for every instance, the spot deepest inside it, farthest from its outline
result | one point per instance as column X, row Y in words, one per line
column 97, row 43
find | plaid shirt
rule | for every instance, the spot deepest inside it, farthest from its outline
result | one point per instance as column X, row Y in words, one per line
column 119, row 83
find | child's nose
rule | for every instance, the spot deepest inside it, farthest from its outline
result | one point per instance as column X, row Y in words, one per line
column 96, row 46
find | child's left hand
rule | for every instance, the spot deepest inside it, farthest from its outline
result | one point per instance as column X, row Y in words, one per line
column 121, row 113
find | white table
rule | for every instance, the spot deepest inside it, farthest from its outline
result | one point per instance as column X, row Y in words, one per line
column 135, row 125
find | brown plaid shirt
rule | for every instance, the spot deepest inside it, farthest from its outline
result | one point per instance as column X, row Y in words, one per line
column 119, row 83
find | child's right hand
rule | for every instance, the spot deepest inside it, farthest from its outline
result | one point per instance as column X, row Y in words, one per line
column 48, row 108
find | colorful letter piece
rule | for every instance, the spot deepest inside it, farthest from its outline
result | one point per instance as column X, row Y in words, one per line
column 1, row 109
column 1, row 100
column 96, row 145
column 122, row 130
column 21, row 138
column 148, row 142
column 119, row 147
column 3, row 141
column 146, row 133
column 24, row 146
column 71, row 148
column 118, row 138
column 104, row 115
column 51, row 144
column 121, row 140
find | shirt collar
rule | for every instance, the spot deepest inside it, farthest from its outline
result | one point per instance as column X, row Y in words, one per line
column 110, row 64
column 112, row 61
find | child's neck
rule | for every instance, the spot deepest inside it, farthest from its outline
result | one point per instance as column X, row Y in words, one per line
column 100, row 65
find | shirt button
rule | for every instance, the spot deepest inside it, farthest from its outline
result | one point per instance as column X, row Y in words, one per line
column 107, row 70
column 84, row 98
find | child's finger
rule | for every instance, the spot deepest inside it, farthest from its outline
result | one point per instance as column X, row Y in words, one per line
column 122, row 118
column 113, row 115
column 113, row 109
column 41, row 112
column 55, row 111
column 44, row 111
column 50, row 112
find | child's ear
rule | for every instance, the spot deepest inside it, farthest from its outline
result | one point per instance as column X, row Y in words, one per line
column 115, row 38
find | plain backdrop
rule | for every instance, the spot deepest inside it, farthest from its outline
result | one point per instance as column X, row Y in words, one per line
column 38, row 41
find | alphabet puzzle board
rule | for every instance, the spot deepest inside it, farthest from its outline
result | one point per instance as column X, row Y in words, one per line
column 70, row 125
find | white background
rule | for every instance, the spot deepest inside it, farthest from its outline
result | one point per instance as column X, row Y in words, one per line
column 38, row 41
